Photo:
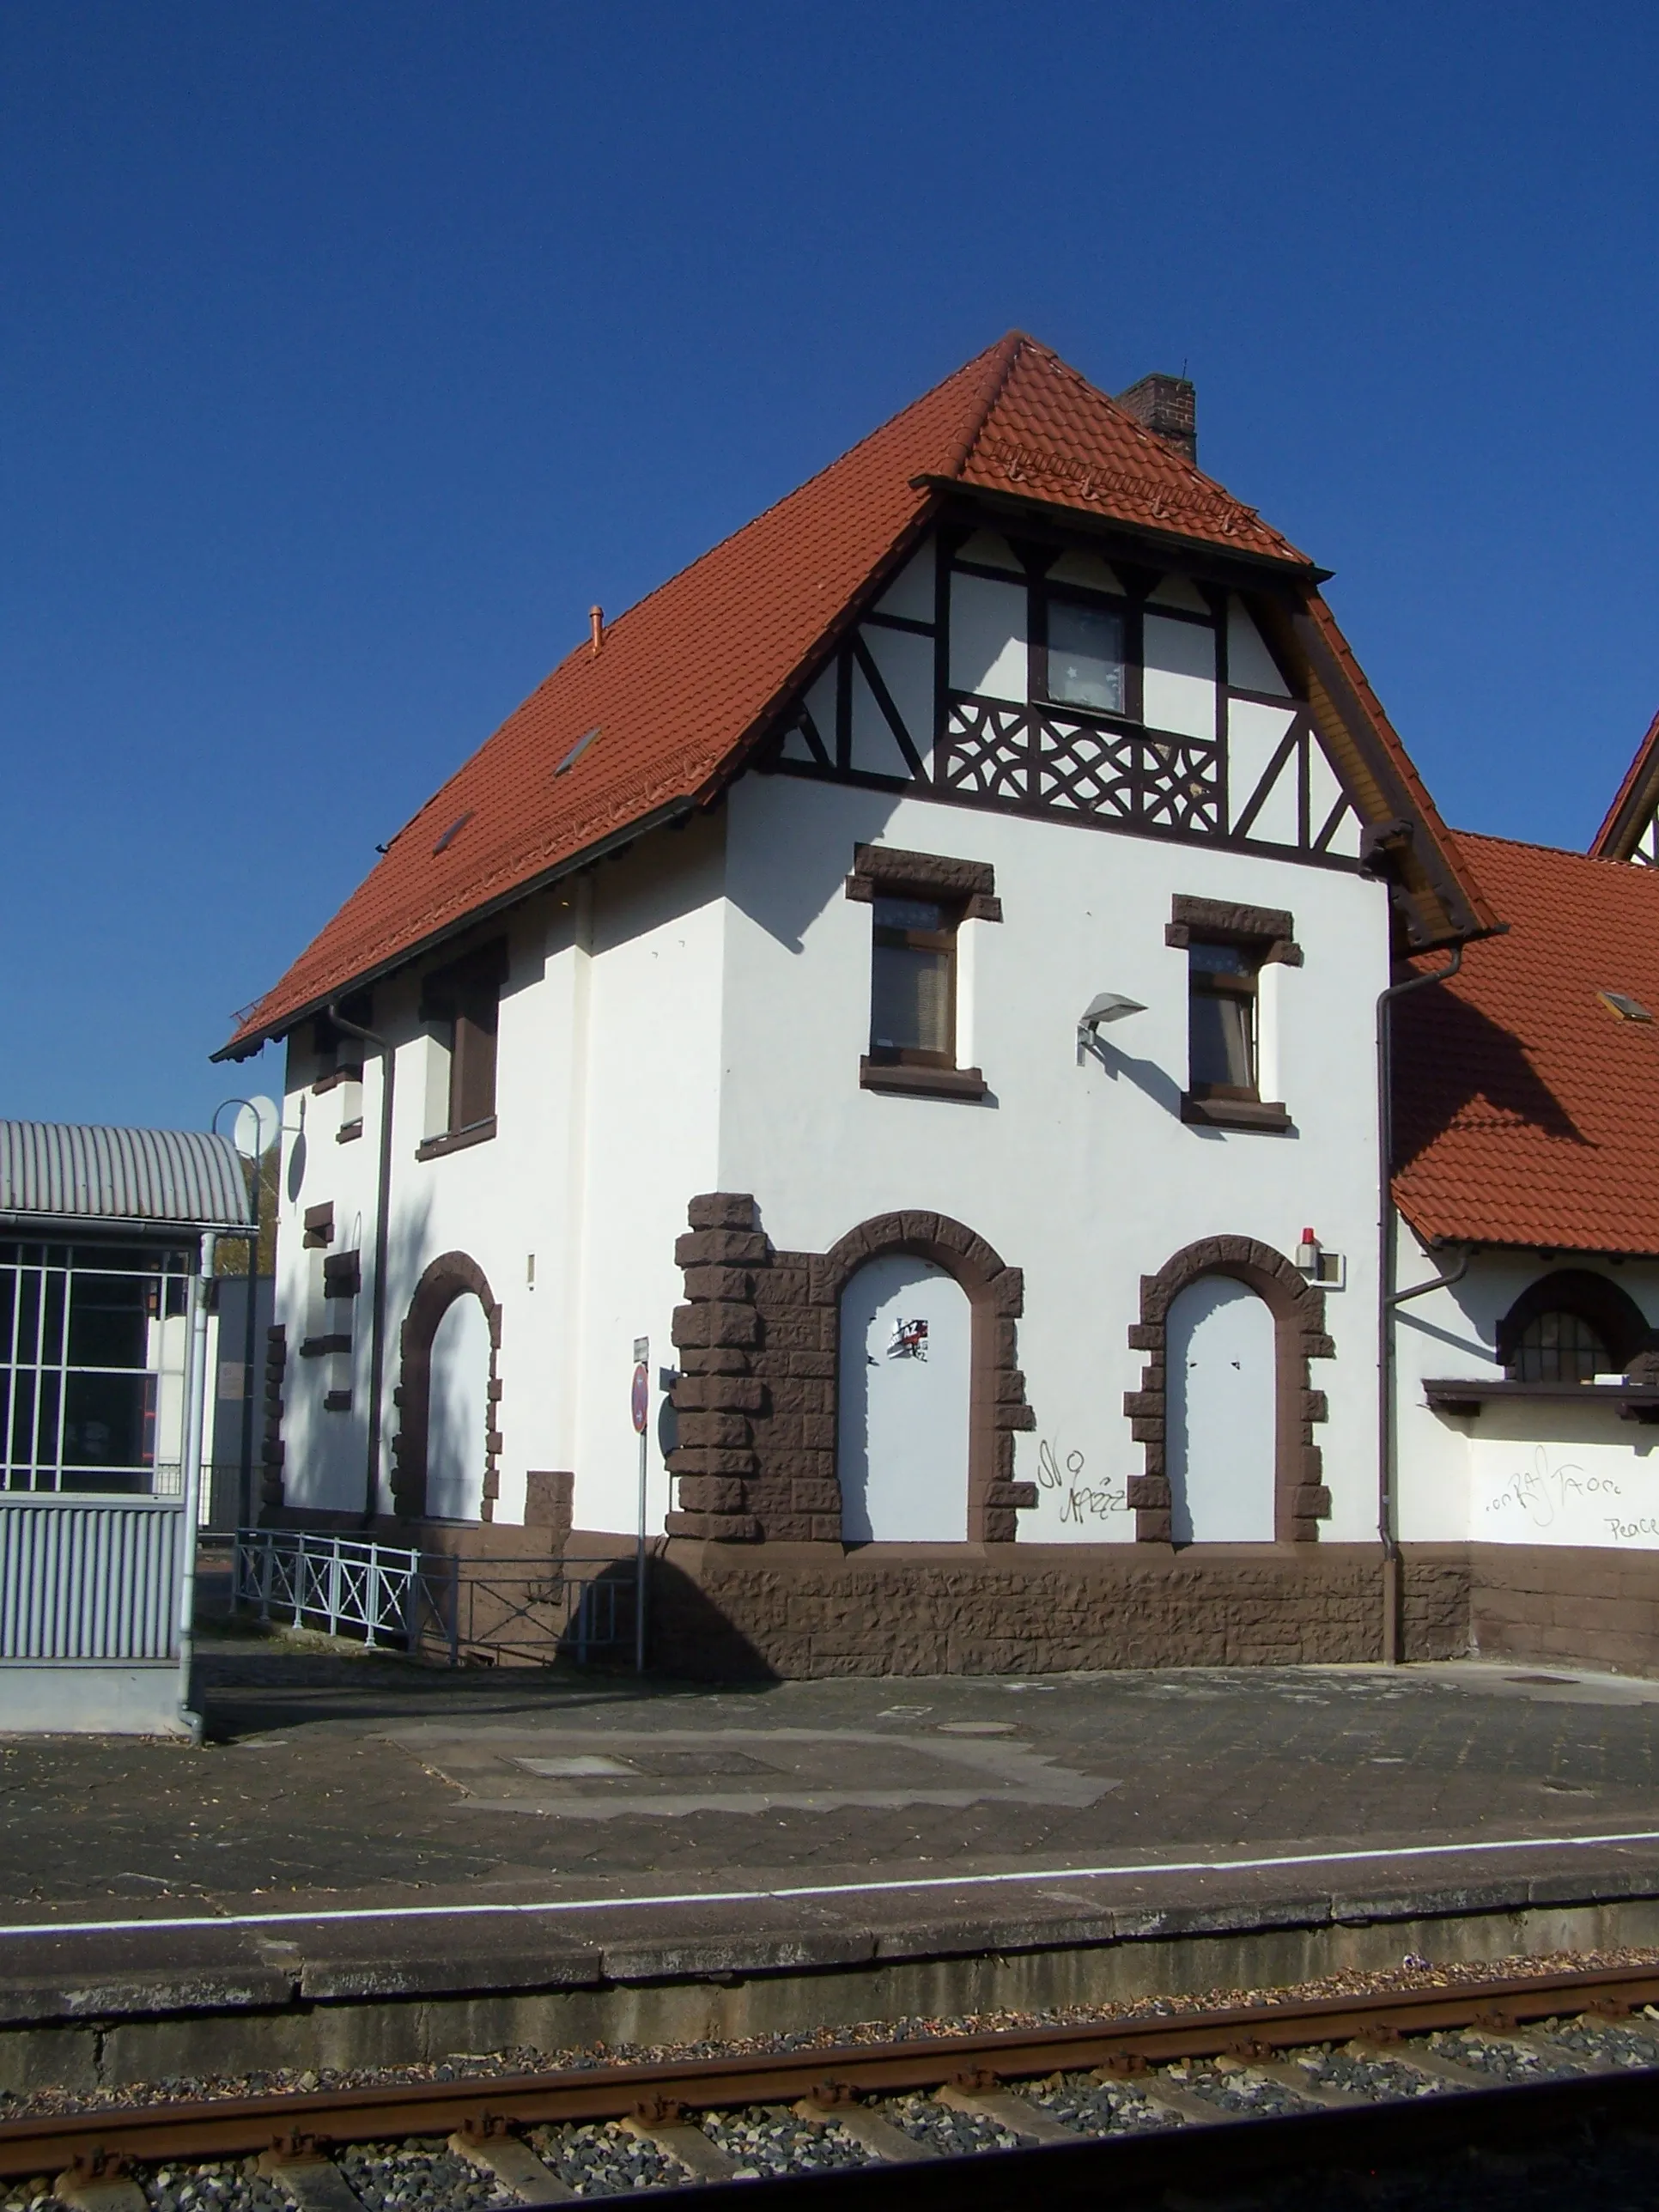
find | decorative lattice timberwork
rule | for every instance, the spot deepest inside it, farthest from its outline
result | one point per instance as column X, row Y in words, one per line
column 1007, row 755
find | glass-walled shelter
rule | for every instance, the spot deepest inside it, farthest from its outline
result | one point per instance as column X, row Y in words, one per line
column 106, row 1238
column 94, row 1345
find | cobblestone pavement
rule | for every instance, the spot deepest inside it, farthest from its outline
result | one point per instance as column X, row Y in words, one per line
column 329, row 1773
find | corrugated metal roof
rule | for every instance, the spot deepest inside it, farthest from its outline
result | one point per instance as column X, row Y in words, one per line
column 82, row 1172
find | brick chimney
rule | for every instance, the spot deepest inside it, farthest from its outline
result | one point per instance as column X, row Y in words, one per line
column 1168, row 405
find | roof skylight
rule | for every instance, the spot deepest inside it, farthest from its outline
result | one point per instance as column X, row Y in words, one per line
column 453, row 832
column 1622, row 1004
column 577, row 751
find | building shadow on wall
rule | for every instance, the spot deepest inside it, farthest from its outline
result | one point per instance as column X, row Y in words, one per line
column 1447, row 1055
column 801, row 885
column 690, row 1637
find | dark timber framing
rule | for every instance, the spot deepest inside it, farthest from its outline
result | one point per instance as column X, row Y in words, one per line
column 1062, row 761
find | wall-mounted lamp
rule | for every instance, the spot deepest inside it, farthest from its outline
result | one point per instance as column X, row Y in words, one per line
column 1105, row 1007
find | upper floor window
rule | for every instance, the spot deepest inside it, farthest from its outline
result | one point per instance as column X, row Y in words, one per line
column 912, row 1014
column 1227, row 947
column 460, row 1008
column 1222, row 1024
column 919, row 903
column 1082, row 660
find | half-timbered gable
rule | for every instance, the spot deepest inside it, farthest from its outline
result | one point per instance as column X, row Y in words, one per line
column 1031, row 673
column 1631, row 831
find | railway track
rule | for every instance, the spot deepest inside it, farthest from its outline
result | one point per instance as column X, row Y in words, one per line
column 1114, row 2108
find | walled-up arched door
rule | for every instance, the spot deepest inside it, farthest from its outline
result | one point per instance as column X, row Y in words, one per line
column 1222, row 1413
column 902, row 1436
column 458, row 1412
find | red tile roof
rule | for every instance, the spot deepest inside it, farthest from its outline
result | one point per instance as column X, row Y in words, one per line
column 1627, row 816
column 694, row 671
column 1526, row 1111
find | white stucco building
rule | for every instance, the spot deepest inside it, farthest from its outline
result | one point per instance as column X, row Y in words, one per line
column 920, row 968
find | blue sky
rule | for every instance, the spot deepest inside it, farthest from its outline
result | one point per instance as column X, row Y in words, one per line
column 351, row 351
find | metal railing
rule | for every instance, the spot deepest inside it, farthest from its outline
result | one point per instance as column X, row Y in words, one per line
column 524, row 1611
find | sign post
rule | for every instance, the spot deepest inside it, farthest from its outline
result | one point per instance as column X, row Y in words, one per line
column 640, row 1406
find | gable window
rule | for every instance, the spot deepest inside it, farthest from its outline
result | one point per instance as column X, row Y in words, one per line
column 1222, row 992
column 919, row 904
column 460, row 1010
column 1082, row 663
column 913, row 984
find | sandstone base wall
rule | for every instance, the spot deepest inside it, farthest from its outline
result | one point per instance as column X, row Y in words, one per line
column 723, row 1611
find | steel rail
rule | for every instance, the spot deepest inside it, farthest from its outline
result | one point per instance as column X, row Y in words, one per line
column 222, row 2127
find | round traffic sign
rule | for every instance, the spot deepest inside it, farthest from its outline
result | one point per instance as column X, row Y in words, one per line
column 640, row 1398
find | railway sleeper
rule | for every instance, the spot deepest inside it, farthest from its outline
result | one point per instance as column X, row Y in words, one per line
column 98, row 2182
column 314, row 2182
column 1291, row 2075
column 1009, row 2110
column 1420, row 2060
column 488, row 2147
column 663, row 2124
column 1168, row 2097
column 833, row 2106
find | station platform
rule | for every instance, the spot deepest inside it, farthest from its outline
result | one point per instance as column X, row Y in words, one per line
column 369, row 1862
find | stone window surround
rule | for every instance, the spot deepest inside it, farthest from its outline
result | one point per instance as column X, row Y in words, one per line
column 451, row 1276
column 756, row 1401
column 881, row 871
column 1301, row 1501
column 1269, row 930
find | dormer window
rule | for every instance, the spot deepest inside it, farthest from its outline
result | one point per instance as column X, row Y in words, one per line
column 1082, row 663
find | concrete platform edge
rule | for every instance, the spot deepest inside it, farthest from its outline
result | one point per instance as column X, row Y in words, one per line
column 237, row 2002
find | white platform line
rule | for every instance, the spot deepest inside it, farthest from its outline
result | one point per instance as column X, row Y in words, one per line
column 332, row 1916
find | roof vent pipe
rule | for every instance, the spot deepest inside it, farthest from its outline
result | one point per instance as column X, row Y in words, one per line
column 596, row 623
column 1168, row 405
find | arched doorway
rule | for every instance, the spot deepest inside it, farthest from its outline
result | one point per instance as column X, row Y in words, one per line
column 1223, row 1388
column 902, row 1417
column 448, row 1439
column 458, row 1412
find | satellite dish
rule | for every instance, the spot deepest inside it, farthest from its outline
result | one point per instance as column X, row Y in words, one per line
column 254, row 1131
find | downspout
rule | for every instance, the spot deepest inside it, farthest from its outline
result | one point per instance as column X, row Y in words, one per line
column 196, row 1383
column 382, row 1222
column 1387, row 1302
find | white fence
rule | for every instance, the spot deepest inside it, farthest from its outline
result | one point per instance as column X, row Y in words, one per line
column 528, row 1611
column 89, row 1577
